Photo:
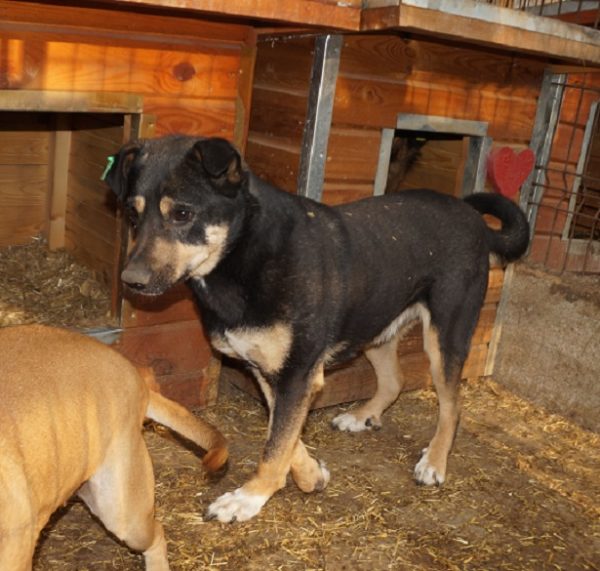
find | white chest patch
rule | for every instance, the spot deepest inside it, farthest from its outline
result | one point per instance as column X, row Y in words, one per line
column 266, row 347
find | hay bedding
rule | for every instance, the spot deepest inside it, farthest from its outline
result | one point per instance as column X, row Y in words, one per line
column 42, row 286
column 522, row 494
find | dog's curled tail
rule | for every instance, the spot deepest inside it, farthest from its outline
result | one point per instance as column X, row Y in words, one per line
column 183, row 422
column 511, row 241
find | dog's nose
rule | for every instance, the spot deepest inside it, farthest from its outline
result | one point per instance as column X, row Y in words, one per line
column 136, row 278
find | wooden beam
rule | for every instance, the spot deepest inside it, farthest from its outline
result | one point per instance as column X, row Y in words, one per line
column 59, row 183
column 70, row 101
column 470, row 21
column 322, row 14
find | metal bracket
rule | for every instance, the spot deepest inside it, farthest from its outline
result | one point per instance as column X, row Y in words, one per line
column 318, row 118
column 546, row 121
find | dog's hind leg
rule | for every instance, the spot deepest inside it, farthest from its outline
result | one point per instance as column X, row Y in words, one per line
column 289, row 400
column 447, row 344
column 121, row 495
column 384, row 359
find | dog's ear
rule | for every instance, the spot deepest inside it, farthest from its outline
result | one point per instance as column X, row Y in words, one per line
column 119, row 165
column 221, row 161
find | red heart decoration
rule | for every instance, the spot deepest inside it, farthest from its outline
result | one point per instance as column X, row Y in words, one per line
column 507, row 170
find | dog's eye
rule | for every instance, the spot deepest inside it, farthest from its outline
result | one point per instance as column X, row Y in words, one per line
column 181, row 215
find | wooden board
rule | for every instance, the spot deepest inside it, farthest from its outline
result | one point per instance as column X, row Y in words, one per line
column 180, row 357
column 24, row 174
column 91, row 214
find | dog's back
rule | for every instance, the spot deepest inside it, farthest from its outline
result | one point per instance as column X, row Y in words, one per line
column 71, row 414
column 60, row 395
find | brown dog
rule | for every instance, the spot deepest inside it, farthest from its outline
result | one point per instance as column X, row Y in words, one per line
column 71, row 413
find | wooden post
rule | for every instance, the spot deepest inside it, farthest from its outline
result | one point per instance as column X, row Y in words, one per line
column 59, row 178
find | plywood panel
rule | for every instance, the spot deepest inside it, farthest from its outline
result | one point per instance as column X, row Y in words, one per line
column 373, row 103
column 23, row 147
column 206, row 117
column 274, row 161
column 24, row 172
column 438, row 167
column 23, row 202
column 352, row 155
column 91, row 220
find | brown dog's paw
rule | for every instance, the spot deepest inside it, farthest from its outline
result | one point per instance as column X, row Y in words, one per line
column 215, row 461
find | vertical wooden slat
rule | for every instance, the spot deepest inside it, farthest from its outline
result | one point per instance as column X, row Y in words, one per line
column 59, row 181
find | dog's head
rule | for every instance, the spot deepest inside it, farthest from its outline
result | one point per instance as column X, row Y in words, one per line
column 184, row 198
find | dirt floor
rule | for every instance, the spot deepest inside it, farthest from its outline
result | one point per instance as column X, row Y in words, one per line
column 522, row 493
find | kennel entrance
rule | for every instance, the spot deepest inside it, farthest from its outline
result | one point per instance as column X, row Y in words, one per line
column 53, row 149
column 424, row 151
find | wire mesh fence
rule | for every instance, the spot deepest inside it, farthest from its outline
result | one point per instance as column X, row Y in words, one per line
column 563, row 201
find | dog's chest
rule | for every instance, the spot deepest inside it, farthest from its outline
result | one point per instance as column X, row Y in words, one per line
column 266, row 348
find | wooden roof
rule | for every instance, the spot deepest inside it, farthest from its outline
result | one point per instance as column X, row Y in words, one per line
column 466, row 21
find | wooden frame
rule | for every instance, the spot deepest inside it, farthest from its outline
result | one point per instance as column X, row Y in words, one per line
column 479, row 145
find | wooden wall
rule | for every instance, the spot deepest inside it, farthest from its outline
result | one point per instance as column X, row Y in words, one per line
column 279, row 105
column 194, row 77
column 381, row 76
column 187, row 70
column 24, row 171
column 92, row 225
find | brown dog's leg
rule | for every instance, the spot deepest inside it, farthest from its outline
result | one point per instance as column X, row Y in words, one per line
column 431, row 468
column 121, row 495
column 16, row 548
column 283, row 449
column 384, row 359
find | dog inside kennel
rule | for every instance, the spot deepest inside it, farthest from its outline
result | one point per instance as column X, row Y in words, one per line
column 335, row 101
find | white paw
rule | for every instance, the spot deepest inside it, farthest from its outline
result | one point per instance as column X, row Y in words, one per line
column 427, row 474
column 238, row 505
column 349, row 423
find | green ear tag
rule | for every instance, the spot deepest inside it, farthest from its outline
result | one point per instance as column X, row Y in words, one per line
column 110, row 161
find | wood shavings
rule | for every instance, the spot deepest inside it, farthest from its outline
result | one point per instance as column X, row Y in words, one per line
column 51, row 287
column 521, row 494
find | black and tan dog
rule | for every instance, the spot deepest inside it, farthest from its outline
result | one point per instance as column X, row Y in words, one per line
column 291, row 286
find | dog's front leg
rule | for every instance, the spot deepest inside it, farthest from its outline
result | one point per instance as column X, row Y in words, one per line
column 289, row 400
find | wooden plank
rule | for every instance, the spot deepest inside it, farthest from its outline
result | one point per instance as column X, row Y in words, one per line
column 273, row 69
column 352, row 155
column 23, row 147
column 68, row 101
column 118, row 26
column 23, row 202
column 394, row 59
column 139, row 71
column 489, row 26
column 305, row 12
column 376, row 103
column 279, row 114
column 180, row 357
column 206, row 117
column 273, row 162
column 58, row 187
column 437, row 167
column 342, row 192
column 176, row 304
column 244, row 97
